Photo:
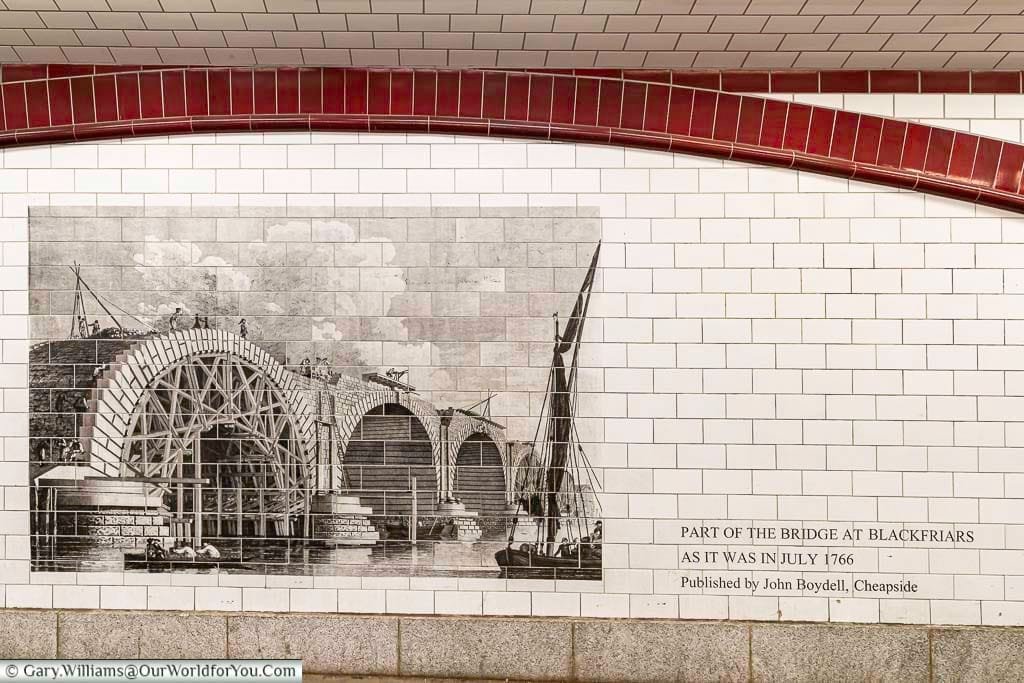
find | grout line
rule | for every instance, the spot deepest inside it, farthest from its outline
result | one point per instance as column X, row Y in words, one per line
column 572, row 651
column 931, row 654
column 750, row 652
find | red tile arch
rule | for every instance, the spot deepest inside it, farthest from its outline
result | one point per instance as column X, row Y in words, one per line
column 652, row 110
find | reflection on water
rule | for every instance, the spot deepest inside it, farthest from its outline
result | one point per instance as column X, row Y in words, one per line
column 313, row 558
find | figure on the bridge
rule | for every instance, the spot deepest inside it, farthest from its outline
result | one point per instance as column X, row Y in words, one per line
column 175, row 319
column 304, row 368
column 83, row 327
column 94, row 329
column 325, row 370
column 197, row 325
column 243, row 329
column 206, row 322
column 396, row 374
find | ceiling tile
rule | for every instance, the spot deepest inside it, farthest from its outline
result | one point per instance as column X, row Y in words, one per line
column 845, row 24
column 746, row 42
column 574, row 59
column 965, row 23
column 200, row 38
column 151, row 38
column 322, row 22
column 14, row 36
column 719, row 7
column 35, row 5
column 871, row 60
column 922, row 60
column 521, row 59
column 249, row 38
column 327, row 57
column 348, row 39
column 375, row 58
column 117, row 20
column 792, row 24
column 66, row 19
column 52, row 36
column 738, row 24
column 719, row 60
column 770, row 60
column 269, row 22
column 807, row 41
column 631, row 24
column 942, row 6
column 135, row 5
column 423, row 57
column 10, row 19
column 183, row 55
column 102, row 37
column 669, row 60
column 266, row 55
column 406, row 22
column 685, row 24
column 749, row 34
column 620, row 59
column 135, row 55
column 219, row 21
column 230, row 56
column 88, row 55
column 168, row 20
column 855, row 42
column 41, row 55
column 300, row 38
column 913, row 42
column 393, row 39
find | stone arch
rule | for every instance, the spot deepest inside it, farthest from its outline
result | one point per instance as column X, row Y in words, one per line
column 356, row 405
column 481, row 477
column 460, row 427
column 387, row 451
column 129, row 381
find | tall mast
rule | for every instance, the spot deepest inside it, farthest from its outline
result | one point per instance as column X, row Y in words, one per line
column 561, row 385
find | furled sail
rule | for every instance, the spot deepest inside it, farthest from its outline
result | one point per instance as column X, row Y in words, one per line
column 560, row 423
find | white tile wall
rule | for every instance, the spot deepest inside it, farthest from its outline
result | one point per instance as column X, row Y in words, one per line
column 778, row 347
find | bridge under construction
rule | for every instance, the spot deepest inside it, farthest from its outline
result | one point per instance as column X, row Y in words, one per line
column 202, row 434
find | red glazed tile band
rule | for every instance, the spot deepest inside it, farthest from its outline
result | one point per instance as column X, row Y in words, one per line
column 786, row 81
column 110, row 103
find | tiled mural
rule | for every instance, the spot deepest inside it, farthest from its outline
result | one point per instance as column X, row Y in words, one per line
column 376, row 393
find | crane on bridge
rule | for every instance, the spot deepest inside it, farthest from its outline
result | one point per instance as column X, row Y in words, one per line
column 79, row 319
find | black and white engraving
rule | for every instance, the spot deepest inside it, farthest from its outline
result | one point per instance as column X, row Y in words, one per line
column 362, row 394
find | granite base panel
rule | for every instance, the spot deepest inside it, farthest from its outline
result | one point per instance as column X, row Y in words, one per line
column 528, row 649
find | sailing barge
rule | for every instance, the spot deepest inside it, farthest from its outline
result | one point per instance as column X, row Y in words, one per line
column 560, row 473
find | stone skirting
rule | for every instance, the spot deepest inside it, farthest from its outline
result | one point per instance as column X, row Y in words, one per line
column 529, row 648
